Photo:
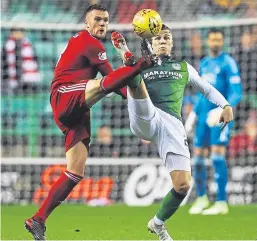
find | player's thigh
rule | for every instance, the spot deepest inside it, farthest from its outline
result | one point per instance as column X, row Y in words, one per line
column 76, row 158
column 68, row 104
column 171, row 136
column 75, row 126
column 144, row 129
column 140, row 92
column 180, row 171
column 143, row 117
column 177, row 162
column 220, row 137
column 202, row 135
column 93, row 92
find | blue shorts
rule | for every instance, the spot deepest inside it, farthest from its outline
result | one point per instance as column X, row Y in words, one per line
column 208, row 136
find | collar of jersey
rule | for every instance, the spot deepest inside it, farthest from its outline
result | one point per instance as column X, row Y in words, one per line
column 165, row 59
column 216, row 57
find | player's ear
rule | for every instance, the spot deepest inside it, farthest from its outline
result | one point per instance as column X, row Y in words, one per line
column 86, row 23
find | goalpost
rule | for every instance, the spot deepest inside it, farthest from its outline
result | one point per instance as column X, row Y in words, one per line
column 32, row 146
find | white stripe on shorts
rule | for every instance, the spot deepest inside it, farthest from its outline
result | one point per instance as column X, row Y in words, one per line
column 70, row 88
column 65, row 91
column 74, row 86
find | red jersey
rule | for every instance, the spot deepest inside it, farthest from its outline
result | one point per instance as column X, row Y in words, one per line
column 82, row 58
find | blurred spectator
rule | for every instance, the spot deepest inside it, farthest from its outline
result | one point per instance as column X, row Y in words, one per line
column 236, row 8
column 246, row 55
column 245, row 142
column 19, row 64
column 196, row 50
column 128, row 8
column 223, row 8
column 251, row 11
column 207, row 8
column 227, row 4
column 103, row 145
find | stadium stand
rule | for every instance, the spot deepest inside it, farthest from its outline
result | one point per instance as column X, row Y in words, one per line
column 36, row 133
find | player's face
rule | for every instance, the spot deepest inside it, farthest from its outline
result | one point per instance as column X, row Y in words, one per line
column 97, row 23
column 215, row 42
column 162, row 43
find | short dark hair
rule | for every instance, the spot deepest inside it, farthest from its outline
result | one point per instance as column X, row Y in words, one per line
column 215, row 30
column 94, row 7
column 165, row 27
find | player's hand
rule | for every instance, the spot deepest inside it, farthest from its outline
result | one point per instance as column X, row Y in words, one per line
column 147, row 51
column 226, row 116
column 190, row 122
column 213, row 117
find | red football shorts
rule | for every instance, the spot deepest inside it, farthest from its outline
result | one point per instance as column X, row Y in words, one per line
column 71, row 114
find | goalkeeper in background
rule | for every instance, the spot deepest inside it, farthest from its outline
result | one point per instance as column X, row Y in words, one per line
column 154, row 106
column 221, row 71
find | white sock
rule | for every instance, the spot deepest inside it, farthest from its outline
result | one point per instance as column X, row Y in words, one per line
column 157, row 221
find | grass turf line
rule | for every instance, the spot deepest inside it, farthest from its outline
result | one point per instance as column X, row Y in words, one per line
column 120, row 222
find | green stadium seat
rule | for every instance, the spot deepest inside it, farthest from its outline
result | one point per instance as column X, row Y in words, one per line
column 47, row 77
column 96, row 111
column 18, row 6
column 45, row 50
column 59, row 48
column 45, row 65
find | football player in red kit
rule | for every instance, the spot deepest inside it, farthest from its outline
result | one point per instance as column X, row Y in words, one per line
column 73, row 91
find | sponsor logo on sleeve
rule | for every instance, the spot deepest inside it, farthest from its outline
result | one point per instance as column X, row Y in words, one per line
column 102, row 56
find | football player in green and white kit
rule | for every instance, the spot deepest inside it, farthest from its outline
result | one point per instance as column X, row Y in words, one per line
column 154, row 106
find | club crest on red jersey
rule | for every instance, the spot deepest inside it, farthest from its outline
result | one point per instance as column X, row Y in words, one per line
column 102, row 56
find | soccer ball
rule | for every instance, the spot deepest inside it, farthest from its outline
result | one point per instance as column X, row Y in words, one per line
column 147, row 23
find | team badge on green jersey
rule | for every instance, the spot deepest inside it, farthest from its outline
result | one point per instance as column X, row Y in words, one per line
column 176, row 66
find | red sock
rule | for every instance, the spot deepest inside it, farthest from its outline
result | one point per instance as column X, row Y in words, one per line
column 120, row 77
column 58, row 193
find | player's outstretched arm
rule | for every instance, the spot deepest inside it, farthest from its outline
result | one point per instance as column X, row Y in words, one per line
column 212, row 94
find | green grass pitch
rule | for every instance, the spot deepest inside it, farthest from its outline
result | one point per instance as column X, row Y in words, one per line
column 120, row 222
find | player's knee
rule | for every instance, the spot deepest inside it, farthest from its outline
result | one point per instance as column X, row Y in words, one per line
column 199, row 152
column 199, row 163
column 76, row 159
column 77, row 166
column 94, row 92
column 182, row 187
